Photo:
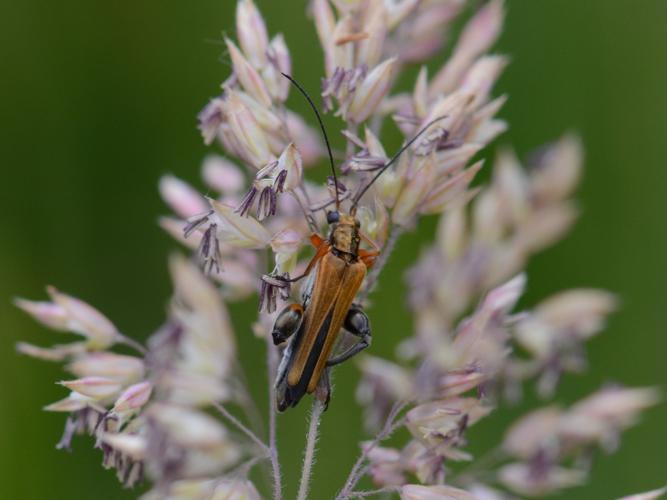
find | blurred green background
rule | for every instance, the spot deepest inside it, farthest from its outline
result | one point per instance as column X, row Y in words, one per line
column 98, row 99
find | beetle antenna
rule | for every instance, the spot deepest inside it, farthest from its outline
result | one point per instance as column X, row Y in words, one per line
column 393, row 160
column 324, row 132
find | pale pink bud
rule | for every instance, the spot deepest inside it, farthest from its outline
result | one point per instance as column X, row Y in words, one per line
column 85, row 320
column 371, row 92
column 412, row 195
column 222, row 175
column 394, row 378
column 133, row 398
column 252, row 144
column 248, row 76
column 125, row 369
column 343, row 53
column 370, row 50
column 647, row 495
column 251, row 30
column 603, row 414
column 559, row 170
column 208, row 343
column 239, row 279
column 235, row 489
column 131, row 445
column 420, row 94
column 386, row 467
column 447, row 191
column 456, row 382
column 238, row 231
column 453, row 160
column 348, row 5
column 279, row 62
column 95, row 388
column 210, row 118
column 373, row 144
column 174, row 227
column 581, row 311
column 183, row 199
column 503, row 298
column 512, row 187
column 481, row 77
column 489, row 222
column 478, row 35
column 188, row 427
column 546, row 226
column 55, row 353
column 47, row 313
column 438, row 492
column 399, row 11
column 269, row 122
column 286, row 245
column 74, row 402
column 521, row 479
column 430, row 422
column 306, row 139
column 290, row 161
column 533, row 433
column 325, row 24
column 452, row 234
column 483, row 29
column 374, row 224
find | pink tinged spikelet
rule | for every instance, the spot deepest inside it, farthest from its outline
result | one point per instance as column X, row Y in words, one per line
column 286, row 245
column 414, row 192
column 55, row 353
column 524, row 480
column 95, row 388
column 222, row 175
column 370, row 50
column 290, row 161
column 133, row 398
column 439, row 492
column 250, row 79
column 251, row 30
column 184, row 200
column 125, row 369
column 129, row 445
column 647, row 495
column 74, row 402
column 49, row 314
column 238, row 231
column 371, row 92
column 305, row 138
column 250, row 140
column 279, row 63
column 85, row 319
column 478, row 36
column 210, row 118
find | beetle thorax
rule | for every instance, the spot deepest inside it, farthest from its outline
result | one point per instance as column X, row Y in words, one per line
column 345, row 235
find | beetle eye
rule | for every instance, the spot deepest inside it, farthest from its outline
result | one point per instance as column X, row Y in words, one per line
column 333, row 217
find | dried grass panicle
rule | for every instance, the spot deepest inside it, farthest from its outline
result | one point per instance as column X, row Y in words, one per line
column 177, row 412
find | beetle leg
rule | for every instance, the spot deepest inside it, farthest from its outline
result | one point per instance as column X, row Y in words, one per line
column 323, row 389
column 369, row 240
column 322, row 249
column 287, row 323
column 357, row 323
column 368, row 256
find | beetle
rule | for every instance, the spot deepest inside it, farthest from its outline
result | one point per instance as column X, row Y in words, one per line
column 335, row 275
